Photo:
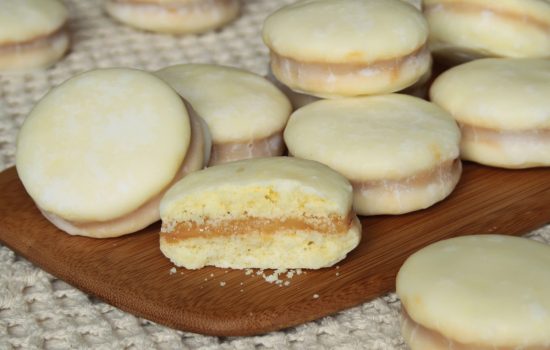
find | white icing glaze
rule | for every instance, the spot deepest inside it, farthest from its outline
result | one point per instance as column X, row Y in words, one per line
column 507, row 94
column 101, row 144
column 24, row 20
column 237, row 105
column 349, row 31
column 477, row 28
column 372, row 138
column 170, row 16
column 488, row 290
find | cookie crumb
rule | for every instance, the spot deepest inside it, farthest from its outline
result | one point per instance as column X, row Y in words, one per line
column 315, row 296
column 222, row 284
column 173, row 270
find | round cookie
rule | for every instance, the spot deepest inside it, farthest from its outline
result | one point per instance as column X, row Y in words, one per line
column 502, row 108
column 400, row 153
column 245, row 113
column 276, row 213
column 174, row 16
column 462, row 30
column 33, row 34
column 476, row 292
column 331, row 48
column 98, row 151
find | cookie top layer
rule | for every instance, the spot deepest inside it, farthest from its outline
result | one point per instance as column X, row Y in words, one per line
column 274, row 187
column 26, row 20
column 102, row 143
column 376, row 137
column 237, row 105
column 345, row 31
column 487, row 290
column 510, row 94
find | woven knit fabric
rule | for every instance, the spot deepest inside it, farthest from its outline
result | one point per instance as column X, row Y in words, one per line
column 38, row 311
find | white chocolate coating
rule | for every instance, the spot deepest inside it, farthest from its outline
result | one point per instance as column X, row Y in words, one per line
column 102, row 144
column 174, row 16
column 508, row 94
column 466, row 29
column 489, row 291
column 251, row 187
column 237, row 105
column 349, row 31
column 25, row 20
column 373, row 138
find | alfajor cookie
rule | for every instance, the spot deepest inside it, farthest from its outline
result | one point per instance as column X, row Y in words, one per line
column 462, row 30
column 33, row 34
column 174, row 16
column 331, row 48
column 477, row 293
column 245, row 113
column 502, row 108
column 400, row 153
column 276, row 212
column 97, row 152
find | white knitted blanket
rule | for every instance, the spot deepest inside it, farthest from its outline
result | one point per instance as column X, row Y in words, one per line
column 38, row 311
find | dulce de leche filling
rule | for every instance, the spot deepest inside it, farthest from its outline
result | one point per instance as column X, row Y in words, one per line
column 446, row 170
column 34, row 43
column 416, row 334
column 476, row 9
column 497, row 137
column 265, row 147
column 332, row 224
column 322, row 69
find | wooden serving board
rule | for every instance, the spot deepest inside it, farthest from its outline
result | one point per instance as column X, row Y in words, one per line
column 131, row 273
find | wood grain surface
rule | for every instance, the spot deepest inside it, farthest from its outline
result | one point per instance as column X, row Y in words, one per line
column 131, row 273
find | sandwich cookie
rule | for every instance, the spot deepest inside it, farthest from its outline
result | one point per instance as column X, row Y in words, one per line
column 400, row 153
column 33, row 34
column 245, row 113
column 97, row 152
column 174, row 16
column 275, row 213
column 502, row 107
column 331, row 48
column 462, row 30
column 484, row 292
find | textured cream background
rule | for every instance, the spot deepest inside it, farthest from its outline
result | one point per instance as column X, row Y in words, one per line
column 38, row 311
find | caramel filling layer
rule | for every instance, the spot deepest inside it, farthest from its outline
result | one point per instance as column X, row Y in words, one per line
column 496, row 137
column 265, row 147
column 422, row 179
column 332, row 224
column 392, row 65
column 414, row 333
column 34, row 43
column 469, row 8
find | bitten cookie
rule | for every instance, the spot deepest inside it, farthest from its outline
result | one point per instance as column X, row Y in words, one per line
column 476, row 292
column 276, row 212
column 331, row 48
column 502, row 108
column 245, row 113
column 400, row 153
column 33, row 34
column 462, row 30
column 174, row 16
column 98, row 151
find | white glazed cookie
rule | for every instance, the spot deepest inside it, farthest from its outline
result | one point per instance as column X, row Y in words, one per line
column 399, row 152
column 174, row 16
column 276, row 212
column 332, row 48
column 484, row 292
column 468, row 29
column 97, row 152
column 245, row 113
column 32, row 34
column 502, row 108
